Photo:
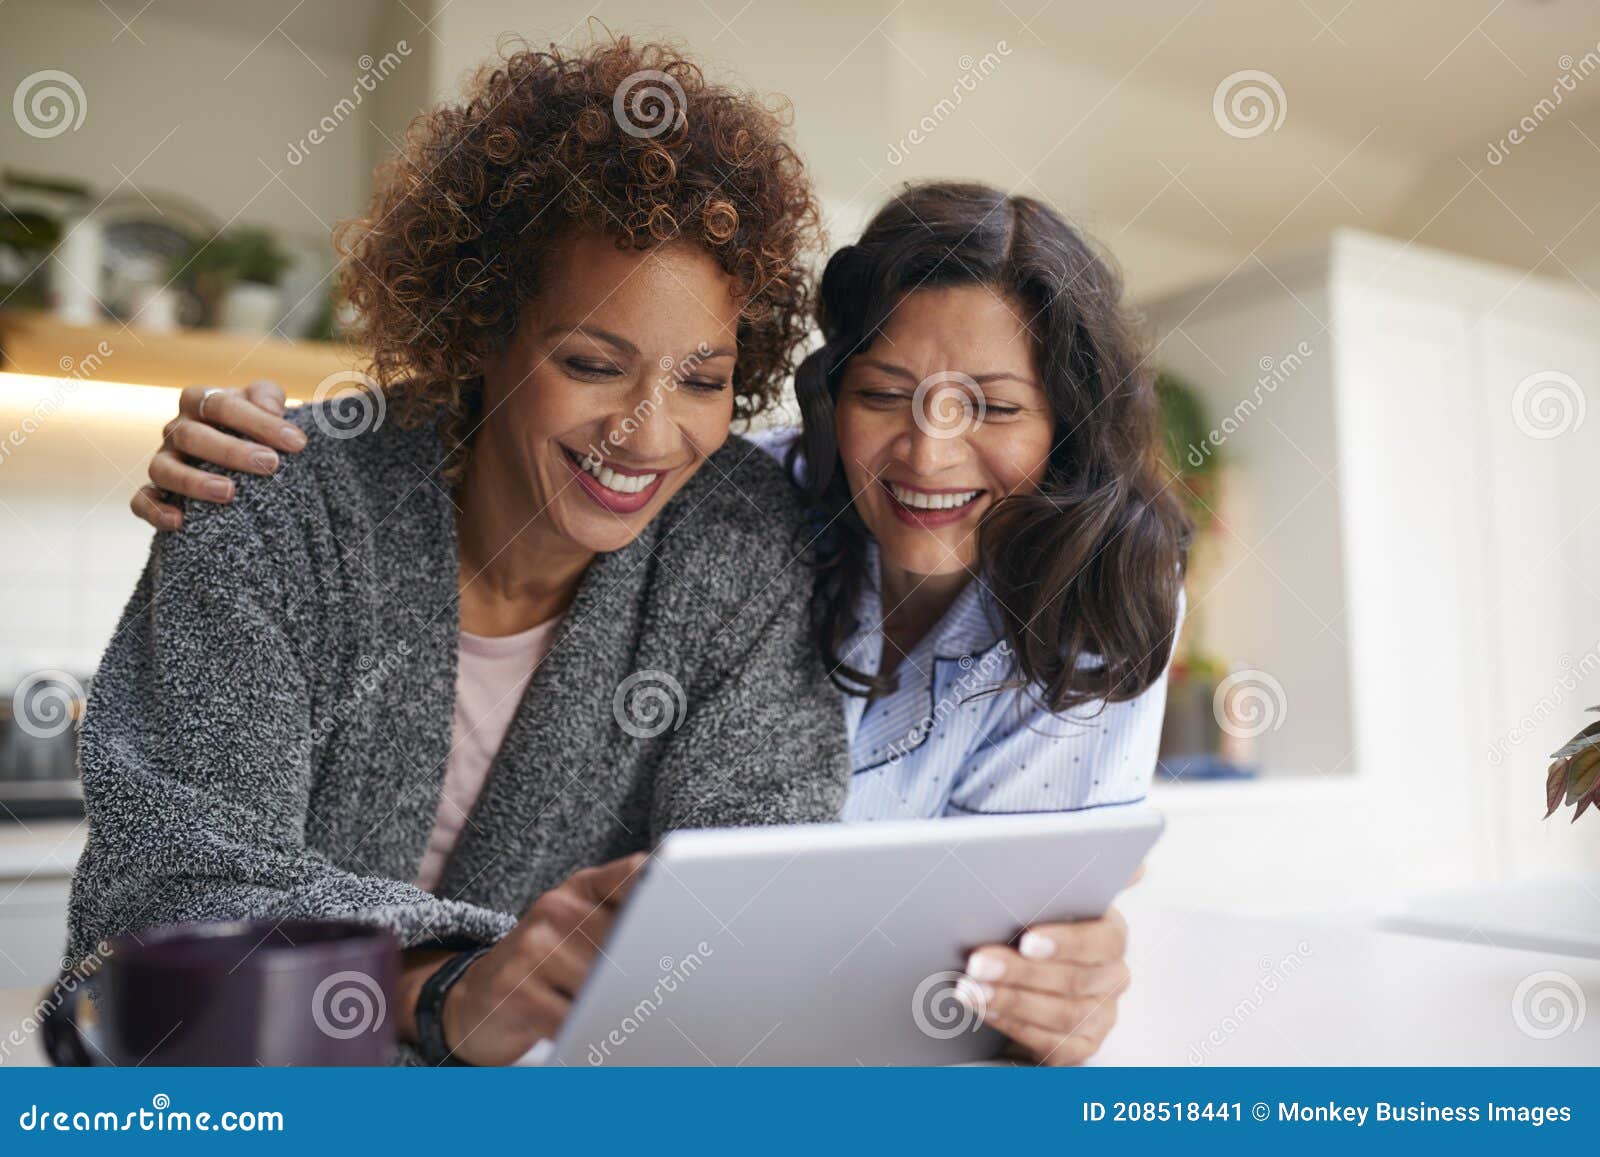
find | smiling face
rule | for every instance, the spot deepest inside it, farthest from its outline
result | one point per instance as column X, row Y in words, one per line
column 615, row 387
column 940, row 418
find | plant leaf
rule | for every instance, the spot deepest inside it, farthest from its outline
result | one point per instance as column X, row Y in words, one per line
column 1588, row 737
column 1555, row 786
column 1583, row 773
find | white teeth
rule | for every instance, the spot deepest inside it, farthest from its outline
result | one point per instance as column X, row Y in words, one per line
column 611, row 480
column 920, row 500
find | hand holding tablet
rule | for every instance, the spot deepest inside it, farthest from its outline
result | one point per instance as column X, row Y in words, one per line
column 839, row 943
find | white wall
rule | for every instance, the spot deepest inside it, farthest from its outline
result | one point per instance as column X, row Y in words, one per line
column 217, row 113
column 840, row 96
column 1271, row 596
column 1452, row 548
column 203, row 113
column 70, row 552
column 862, row 78
column 1532, row 208
column 1113, row 122
column 193, row 104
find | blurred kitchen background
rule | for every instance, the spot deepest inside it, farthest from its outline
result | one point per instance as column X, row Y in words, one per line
column 1363, row 237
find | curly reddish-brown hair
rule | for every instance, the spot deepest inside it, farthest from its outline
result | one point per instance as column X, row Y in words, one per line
column 628, row 140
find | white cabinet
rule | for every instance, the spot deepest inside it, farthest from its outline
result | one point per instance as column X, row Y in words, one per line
column 36, row 862
column 1412, row 549
column 33, row 931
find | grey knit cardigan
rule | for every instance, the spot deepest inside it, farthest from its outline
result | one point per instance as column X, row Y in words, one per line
column 268, row 731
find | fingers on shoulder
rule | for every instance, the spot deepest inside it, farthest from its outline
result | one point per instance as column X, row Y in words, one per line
column 150, row 504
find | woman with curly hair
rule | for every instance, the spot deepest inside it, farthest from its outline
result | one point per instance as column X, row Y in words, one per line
column 1000, row 566
column 472, row 660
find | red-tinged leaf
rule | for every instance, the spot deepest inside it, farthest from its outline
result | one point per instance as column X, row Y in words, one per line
column 1588, row 737
column 1555, row 786
column 1582, row 804
column 1583, row 773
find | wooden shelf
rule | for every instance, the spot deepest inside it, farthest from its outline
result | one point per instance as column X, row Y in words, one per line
column 38, row 343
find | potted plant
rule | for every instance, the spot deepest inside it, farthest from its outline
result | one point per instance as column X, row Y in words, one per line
column 1194, row 457
column 26, row 238
column 236, row 273
column 34, row 211
column 1575, row 775
column 1193, row 745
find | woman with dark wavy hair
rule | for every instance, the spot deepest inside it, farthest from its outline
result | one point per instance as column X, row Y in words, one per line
column 1000, row 564
column 981, row 444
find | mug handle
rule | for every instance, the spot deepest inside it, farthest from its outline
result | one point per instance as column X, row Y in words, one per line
column 63, row 1039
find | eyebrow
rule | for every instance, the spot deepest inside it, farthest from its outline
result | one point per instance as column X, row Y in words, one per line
column 981, row 379
column 601, row 335
column 619, row 342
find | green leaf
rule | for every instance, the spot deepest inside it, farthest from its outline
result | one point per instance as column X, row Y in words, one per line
column 1583, row 773
column 1588, row 737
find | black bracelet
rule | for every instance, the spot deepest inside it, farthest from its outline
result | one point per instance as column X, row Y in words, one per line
column 430, row 1007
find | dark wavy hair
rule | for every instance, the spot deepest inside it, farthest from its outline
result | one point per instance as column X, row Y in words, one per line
column 1088, row 567
column 627, row 140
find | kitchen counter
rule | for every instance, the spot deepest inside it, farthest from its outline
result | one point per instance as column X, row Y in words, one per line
column 16, row 1006
column 40, row 848
column 1551, row 915
column 1215, row 989
column 37, row 858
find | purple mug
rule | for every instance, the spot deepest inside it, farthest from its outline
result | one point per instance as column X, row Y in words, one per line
column 248, row 992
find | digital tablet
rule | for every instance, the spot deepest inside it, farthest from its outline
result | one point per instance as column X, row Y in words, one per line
column 835, row 944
